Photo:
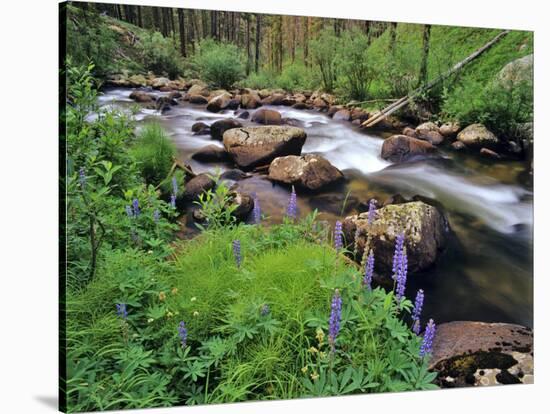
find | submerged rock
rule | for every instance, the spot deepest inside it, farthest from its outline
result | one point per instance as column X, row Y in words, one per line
column 197, row 99
column 140, row 96
column 425, row 230
column 218, row 128
column 254, row 146
column 428, row 131
column 487, row 153
column 342, row 115
column 198, row 185
column 311, row 172
column 200, row 128
column 477, row 136
column 267, row 117
column 478, row 353
column 398, row 148
column 211, row 153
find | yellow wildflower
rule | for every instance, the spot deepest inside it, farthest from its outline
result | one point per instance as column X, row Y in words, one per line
column 195, row 313
column 304, row 369
column 162, row 296
column 193, row 299
column 320, row 335
column 174, row 291
column 314, row 376
column 313, row 350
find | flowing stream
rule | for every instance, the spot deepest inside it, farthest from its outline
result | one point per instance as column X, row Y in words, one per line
column 486, row 272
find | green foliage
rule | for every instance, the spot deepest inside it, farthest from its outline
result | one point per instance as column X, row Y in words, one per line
column 500, row 107
column 159, row 54
column 324, row 53
column 154, row 152
column 357, row 72
column 234, row 351
column 102, row 181
column 217, row 205
column 218, row 63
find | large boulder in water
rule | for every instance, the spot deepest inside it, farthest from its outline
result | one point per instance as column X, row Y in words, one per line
column 198, row 185
column 254, row 146
column 425, row 230
column 250, row 99
column 311, row 172
column 398, row 148
column 158, row 83
column 477, row 136
column 197, row 99
column 141, row 96
column 428, row 131
column 219, row 102
column 218, row 128
column 198, row 89
column 478, row 353
column 210, row 153
column 449, row 129
column 267, row 117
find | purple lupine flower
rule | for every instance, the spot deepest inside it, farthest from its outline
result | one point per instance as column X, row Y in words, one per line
column 291, row 210
column 371, row 215
column 173, row 201
column 135, row 206
column 156, row 216
column 82, row 177
column 121, row 310
column 401, row 276
column 417, row 310
column 182, row 332
column 399, row 242
column 174, row 186
column 129, row 211
column 338, row 243
column 427, row 341
column 237, row 252
column 369, row 270
column 256, row 212
column 264, row 310
column 334, row 321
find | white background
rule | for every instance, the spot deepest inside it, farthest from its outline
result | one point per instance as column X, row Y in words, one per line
column 29, row 202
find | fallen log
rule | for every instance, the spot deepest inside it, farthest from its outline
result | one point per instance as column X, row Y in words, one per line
column 400, row 103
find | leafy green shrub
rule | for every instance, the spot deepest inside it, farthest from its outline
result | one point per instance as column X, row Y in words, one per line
column 159, row 54
column 355, row 68
column 154, row 152
column 324, row 53
column 500, row 107
column 295, row 76
column 217, row 206
column 219, row 63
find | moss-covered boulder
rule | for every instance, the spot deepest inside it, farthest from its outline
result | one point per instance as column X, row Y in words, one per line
column 424, row 226
column 477, row 136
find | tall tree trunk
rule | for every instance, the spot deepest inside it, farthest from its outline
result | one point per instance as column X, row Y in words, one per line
column 157, row 24
column 393, row 33
column 172, row 24
column 293, row 45
column 248, row 48
column 119, row 12
column 192, row 29
column 204, row 25
column 306, row 40
column 280, row 44
column 423, row 75
column 258, row 39
column 139, row 16
column 181, row 22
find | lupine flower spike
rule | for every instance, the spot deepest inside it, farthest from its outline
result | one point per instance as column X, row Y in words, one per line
column 129, row 211
column 237, row 252
column 174, row 186
column 156, row 216
column 427, row 342
column 399, row 242
column 182, row 333
column 173, row 201
column 264, row 311
column 334, row 321
column 291, row 210
column 402, row 276
column 256, row 212
column 338, row 243
column 372, row 211
column 121, row 310
column 369, row 270
column 417, row 310
column 135, row 206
